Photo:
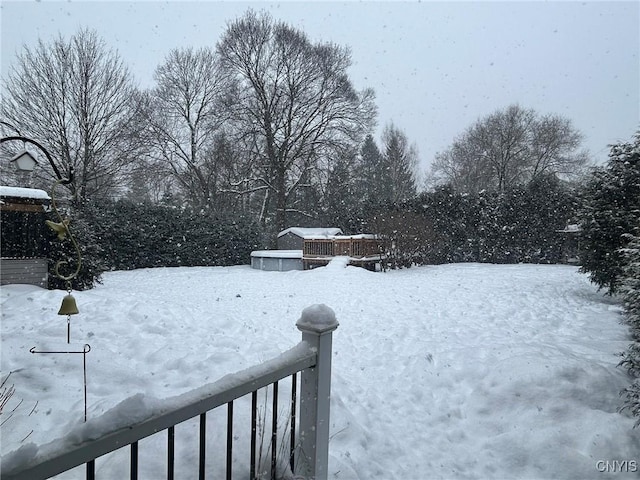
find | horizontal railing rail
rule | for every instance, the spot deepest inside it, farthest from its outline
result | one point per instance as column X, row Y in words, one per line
column 355, row 247
column 306, row 357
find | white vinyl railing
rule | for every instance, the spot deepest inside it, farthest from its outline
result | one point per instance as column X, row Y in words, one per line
column 311, row 357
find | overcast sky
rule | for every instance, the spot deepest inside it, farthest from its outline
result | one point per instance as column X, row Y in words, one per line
column 436, row 67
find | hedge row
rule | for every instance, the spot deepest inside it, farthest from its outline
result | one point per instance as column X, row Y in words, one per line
column 123, row 235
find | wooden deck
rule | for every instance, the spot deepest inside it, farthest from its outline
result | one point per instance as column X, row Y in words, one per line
column 362, row 250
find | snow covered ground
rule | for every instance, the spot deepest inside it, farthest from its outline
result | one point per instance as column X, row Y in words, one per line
column 445, row 372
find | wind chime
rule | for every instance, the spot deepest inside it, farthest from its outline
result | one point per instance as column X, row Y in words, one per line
column 61, row 228
column 69, row 306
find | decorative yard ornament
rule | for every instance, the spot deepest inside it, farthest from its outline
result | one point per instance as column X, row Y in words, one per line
column 24, row 161
column 69, row 306
column 60, row 228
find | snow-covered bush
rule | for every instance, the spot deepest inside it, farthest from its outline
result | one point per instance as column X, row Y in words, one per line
column 519, row 225
column 630, row 281
column 93, row 264
column 610, row 244
column 630, row 293
column 143, row 235
column 611, row 210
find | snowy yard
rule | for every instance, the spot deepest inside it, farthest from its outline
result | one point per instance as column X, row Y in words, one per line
column 445, row 372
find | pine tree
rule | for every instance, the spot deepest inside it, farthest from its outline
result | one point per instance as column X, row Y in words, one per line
column 612, row 209
column 372, row 178
column 400, row 162
column 630, row 281
column 630, row 292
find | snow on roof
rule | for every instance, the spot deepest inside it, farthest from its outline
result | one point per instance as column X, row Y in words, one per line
column 369, row 236
column 311, row 232
column 21, row 192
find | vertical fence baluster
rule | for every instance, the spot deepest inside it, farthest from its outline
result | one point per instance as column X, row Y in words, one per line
column 171, row 434
column 274, row 430
column 254, row 421
column 294, row 387
column 134, row 461
column 203, row 435
column 91, row 470
column 229, row 438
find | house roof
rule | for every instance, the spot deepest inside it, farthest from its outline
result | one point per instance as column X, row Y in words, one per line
column 311, row 232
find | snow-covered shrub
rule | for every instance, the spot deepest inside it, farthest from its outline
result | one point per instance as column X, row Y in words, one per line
column 630, row 281
column 611, row 210
column 515, row 226
column 93, row 265
column 145, row 235
column 630, row 293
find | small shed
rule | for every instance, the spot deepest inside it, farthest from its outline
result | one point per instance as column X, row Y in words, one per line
column 23, row 236
column 570, row 237
column 293, row 238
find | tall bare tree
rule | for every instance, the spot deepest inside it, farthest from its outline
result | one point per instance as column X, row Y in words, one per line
column 78, row 99
column 185, row 118
column 293, row 105
column 510, row 147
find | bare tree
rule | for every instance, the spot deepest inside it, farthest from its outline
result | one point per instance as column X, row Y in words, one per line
column 293, row 105
column 77, row 98
column 555, row 148
column 510, row 147
column 185, row 116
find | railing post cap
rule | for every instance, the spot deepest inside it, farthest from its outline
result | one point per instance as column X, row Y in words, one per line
column 317, row 319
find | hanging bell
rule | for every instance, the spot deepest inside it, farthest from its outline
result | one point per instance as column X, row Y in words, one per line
column 68, row 306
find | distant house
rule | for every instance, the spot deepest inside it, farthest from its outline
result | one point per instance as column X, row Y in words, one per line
column 293, row 238
column 23, row 242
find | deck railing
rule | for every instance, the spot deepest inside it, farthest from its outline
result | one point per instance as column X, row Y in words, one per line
column 362, row 250
column 308, row 453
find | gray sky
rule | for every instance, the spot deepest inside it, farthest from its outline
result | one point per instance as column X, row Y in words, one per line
column 436, row 67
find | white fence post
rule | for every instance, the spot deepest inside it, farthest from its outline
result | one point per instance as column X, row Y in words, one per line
column 316, row 324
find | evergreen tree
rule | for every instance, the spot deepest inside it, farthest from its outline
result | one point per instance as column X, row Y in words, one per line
column 630, row 291
column 63, row 254
column 630, row 281
column 343, row 206
column 400, row 162
column 612, row 210
column 372, row 177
